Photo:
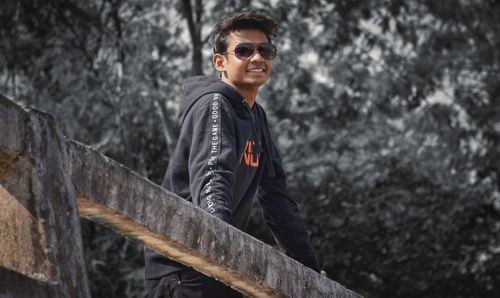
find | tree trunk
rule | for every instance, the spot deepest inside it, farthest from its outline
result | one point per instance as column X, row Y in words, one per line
column 193, row 18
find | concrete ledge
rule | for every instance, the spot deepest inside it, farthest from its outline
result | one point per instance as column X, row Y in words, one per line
column 45, row 177
column 41, row 245
column 115, row 196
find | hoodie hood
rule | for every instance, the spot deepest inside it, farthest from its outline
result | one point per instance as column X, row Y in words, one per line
column 197, row 86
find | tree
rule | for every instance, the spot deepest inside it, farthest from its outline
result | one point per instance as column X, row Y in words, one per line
column 386, row 114
column 389, row 210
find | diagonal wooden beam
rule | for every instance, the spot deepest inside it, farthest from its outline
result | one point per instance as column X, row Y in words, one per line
column 116, row 196
column 113, row 195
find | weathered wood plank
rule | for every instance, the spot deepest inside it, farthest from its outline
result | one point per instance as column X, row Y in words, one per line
column 23, row 244
column 113, row 195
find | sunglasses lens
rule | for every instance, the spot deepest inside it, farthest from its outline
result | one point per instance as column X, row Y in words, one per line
column 267, row 51
column 243, row 50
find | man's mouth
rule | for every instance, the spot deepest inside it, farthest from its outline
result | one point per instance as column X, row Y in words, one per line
column 256, row 70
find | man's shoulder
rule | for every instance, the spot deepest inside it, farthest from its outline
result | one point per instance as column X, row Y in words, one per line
column 209, row 100
column 210, row 96
column 211, row 103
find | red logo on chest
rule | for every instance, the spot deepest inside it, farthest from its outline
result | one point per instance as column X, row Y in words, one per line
column 248, row 156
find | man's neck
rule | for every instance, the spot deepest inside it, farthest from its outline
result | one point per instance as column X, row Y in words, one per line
column 249, row 94
column 249, row 97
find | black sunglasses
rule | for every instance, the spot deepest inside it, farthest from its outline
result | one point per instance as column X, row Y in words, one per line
column 245, row 50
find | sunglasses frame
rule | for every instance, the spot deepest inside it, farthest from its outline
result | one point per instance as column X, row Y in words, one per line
column 255, row 47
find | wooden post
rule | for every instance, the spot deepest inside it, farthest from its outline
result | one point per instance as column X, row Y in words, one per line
column 41, row 252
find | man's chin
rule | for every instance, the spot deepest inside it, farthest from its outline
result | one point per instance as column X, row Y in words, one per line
column 257, row 82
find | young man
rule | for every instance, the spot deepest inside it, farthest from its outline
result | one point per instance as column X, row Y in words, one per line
column 225, row 155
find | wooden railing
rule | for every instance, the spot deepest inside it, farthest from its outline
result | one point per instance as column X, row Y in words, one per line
column 47, row 182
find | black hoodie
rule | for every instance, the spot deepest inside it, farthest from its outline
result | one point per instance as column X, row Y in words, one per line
column 224, row 155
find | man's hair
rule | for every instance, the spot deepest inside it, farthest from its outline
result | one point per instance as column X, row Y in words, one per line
column 243, row 19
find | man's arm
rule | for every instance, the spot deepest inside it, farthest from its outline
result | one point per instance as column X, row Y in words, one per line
column 212, row 156
column 282, row 215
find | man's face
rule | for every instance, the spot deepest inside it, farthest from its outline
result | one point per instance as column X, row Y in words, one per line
column 244, row 73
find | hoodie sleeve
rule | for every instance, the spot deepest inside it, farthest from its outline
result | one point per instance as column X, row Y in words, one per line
column 282, row 215
column 212, row 156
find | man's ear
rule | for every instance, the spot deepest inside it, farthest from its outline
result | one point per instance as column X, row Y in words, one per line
column 219, row 62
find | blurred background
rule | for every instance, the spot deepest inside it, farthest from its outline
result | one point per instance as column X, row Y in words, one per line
column 387, row 114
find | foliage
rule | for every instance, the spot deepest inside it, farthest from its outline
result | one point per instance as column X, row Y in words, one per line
column 386, row 112
column 411, row 210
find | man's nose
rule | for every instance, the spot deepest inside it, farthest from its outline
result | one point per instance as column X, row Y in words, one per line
column 256, row 56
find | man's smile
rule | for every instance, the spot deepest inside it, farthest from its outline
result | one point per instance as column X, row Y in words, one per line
column 257, row 69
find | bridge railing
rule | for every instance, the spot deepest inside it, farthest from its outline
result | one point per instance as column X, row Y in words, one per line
column 47, row 182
